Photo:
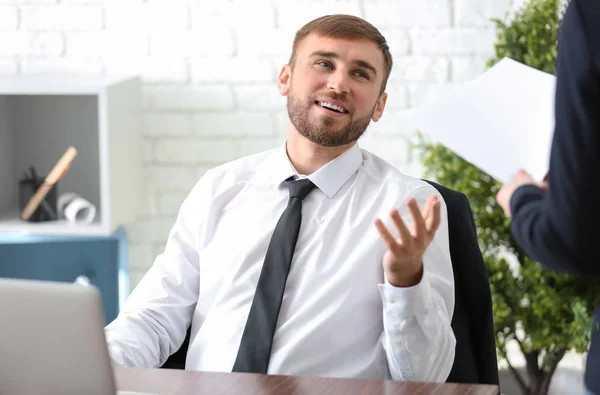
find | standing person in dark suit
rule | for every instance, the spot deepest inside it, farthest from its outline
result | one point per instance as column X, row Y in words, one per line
column 554, row 222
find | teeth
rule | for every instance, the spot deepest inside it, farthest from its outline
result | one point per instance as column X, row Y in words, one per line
column 332, row 107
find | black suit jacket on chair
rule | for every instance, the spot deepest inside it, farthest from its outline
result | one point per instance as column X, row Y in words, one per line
column 475, row 361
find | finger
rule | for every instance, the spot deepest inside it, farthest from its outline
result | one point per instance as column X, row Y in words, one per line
column 501, row 195
column 434, row 219
column 405, row 235
column 420, row 228
column 524, row 177
column 427, row 209
column 387, row 238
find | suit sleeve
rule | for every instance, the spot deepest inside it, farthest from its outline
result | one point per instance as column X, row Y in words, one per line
column 482, row 329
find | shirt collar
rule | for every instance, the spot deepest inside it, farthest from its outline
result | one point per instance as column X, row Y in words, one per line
column 328, row 178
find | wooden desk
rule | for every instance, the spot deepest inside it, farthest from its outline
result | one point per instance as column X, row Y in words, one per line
column 167, row 381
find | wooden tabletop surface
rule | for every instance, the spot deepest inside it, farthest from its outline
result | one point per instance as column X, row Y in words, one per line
column 181, row 382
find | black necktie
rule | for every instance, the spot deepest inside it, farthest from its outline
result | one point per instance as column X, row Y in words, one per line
column 255, row 347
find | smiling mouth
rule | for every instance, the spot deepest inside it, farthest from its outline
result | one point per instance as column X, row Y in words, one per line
column 332, row 107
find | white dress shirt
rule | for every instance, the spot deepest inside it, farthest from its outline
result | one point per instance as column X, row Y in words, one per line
column 339, row 316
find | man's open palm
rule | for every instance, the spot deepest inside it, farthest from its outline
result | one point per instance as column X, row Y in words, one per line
column 403, row 261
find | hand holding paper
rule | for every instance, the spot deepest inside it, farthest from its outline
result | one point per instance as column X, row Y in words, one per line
column 501, row 122
column 505, row 193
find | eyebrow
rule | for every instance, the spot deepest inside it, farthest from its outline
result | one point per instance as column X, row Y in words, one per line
column 333, row 55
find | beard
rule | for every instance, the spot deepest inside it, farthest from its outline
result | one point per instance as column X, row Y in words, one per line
column 322, row 131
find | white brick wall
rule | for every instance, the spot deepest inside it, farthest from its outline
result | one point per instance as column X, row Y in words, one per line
column 147, row 17
column 409, row 13
column 209, row 69
column 9, row 17
column 61, row 17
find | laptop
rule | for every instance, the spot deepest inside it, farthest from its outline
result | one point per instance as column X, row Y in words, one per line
column 52, row 340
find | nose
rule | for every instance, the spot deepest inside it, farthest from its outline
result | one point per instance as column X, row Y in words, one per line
column 339, row 82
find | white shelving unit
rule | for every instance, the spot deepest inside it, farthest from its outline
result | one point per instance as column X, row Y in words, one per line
column 42, row 115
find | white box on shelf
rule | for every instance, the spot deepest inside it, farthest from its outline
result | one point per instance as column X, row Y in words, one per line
column 42, row 115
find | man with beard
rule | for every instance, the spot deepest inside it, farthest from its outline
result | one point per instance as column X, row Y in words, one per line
column 281, row 262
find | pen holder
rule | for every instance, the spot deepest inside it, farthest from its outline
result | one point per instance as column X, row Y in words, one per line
column 46, row 211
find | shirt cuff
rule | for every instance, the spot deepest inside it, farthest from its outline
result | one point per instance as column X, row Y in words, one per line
column 406, row 301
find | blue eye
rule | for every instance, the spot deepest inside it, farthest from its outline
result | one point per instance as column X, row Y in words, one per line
column 324, row 64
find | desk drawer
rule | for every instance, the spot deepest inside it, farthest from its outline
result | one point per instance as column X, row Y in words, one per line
column 65, row 261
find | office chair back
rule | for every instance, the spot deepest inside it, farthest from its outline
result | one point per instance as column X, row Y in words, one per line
column 475, row 360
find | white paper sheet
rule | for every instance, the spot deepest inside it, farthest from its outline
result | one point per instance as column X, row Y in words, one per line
column 501, row 122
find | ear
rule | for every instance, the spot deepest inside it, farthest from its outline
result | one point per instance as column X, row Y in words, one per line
column 284, row 80
column 379, row 107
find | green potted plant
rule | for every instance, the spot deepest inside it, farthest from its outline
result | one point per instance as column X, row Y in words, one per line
column 544, row 312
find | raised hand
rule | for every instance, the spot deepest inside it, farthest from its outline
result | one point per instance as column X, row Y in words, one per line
column 403, row 261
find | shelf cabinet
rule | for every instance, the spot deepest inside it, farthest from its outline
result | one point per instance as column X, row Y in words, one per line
column 98, row 260
column 41, row 116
